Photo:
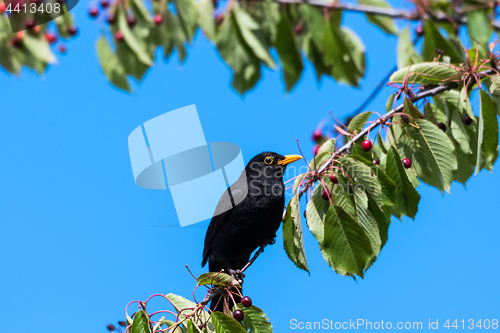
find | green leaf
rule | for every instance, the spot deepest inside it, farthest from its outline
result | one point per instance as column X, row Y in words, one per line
column 390, row 102
column 206, row 18
column 494, row 87
column 288, row 52
column 359, row 121
column 111, row 65
column 255, row 320
column 339, row 56
column 357, row 49
column 292, row 235
column 132, row 41
column 440, row 152
column 141, row 323
column 487, row 133
column 225, row 324
column 406, row 51
column 315, row 23
column 216, row 278
column 387, row 184
column 7, row 60
column 296, row 183
column 479, row 27
column 407, row 198
column 381, row 143
column 412, row 110
column 459, row 132
column 425, row 73
column 324, row 154
column 366, row 219
column 39, row 48
column 346, row 242
column 180, row 303
column 434, row 40
column 186, row 13
column 363, row 175
column 383, row 218
column 465, row 103
column 383, row 22
column 247, row 26
column 139, row 8
column 315, row 56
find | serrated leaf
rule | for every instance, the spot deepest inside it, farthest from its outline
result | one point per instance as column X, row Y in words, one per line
column 345, row 242
column 425, row 73
column 383, row 218
column 487, row 132
column 412, row 110
column 359, row 121
column 288, row 52
column 366, row 219
column 479, row 27
column 132, row 41
column 440, row 152
column 434, row 40
column 292, row 234
column 180, row 303
column 363, row 175
column 406, row 51
column 140, row 323
column 459, row 132
column 186, row 13
column 111, row 65
column 407, row 198
column 247, row 26
column 324, row 154
column 206, row 18
column 225, row 324
column 255, row 320
column 39, row 48
column 387, row 184
column 216, row 278
column 383, row 22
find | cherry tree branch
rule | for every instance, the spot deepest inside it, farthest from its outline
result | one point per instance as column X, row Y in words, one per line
column 459, row 18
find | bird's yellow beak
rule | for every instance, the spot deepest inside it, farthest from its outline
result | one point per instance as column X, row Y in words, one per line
column 289, row 159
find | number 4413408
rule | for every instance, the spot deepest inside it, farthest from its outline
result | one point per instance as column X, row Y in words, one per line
column 471, row 324
column 33, row 8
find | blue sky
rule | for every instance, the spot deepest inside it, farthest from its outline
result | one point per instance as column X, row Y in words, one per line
column 80, row 240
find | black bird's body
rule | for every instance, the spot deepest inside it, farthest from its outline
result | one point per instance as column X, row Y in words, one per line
column 259, row 195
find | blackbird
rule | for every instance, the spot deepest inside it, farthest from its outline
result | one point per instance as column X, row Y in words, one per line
column 252, row 210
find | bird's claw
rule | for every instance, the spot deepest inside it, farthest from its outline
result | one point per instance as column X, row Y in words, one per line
column 237, row 275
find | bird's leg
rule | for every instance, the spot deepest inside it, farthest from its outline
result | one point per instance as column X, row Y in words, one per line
column 237, row 274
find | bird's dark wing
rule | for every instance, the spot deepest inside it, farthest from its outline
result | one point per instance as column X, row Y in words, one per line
column 225, row 205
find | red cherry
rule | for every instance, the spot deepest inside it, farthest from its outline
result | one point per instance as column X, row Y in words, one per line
column 376, row 162
column 334, row 179
column 238, row 315
column 62, row 49
column 419, row 30
column 50, row 37
column 111, row 327
column 406, row 163
column 158, row 19
column 131, row 21
column 104, row 3
column 246, row 302
column 467, row 120
column 405, row 118
column 298, row 29
column 72, row 30
column 94, row 12
column 316, row 149
column 122, row 323
column 325, row 195
column 317, row 135
column 16, row 41
column 2, row 7
column 30, row 23
column 441, row 126
column 119, row 36
column 367, row 145
column 111, row 19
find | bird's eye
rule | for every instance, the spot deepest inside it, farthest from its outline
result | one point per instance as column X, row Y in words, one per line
column 268, row 160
